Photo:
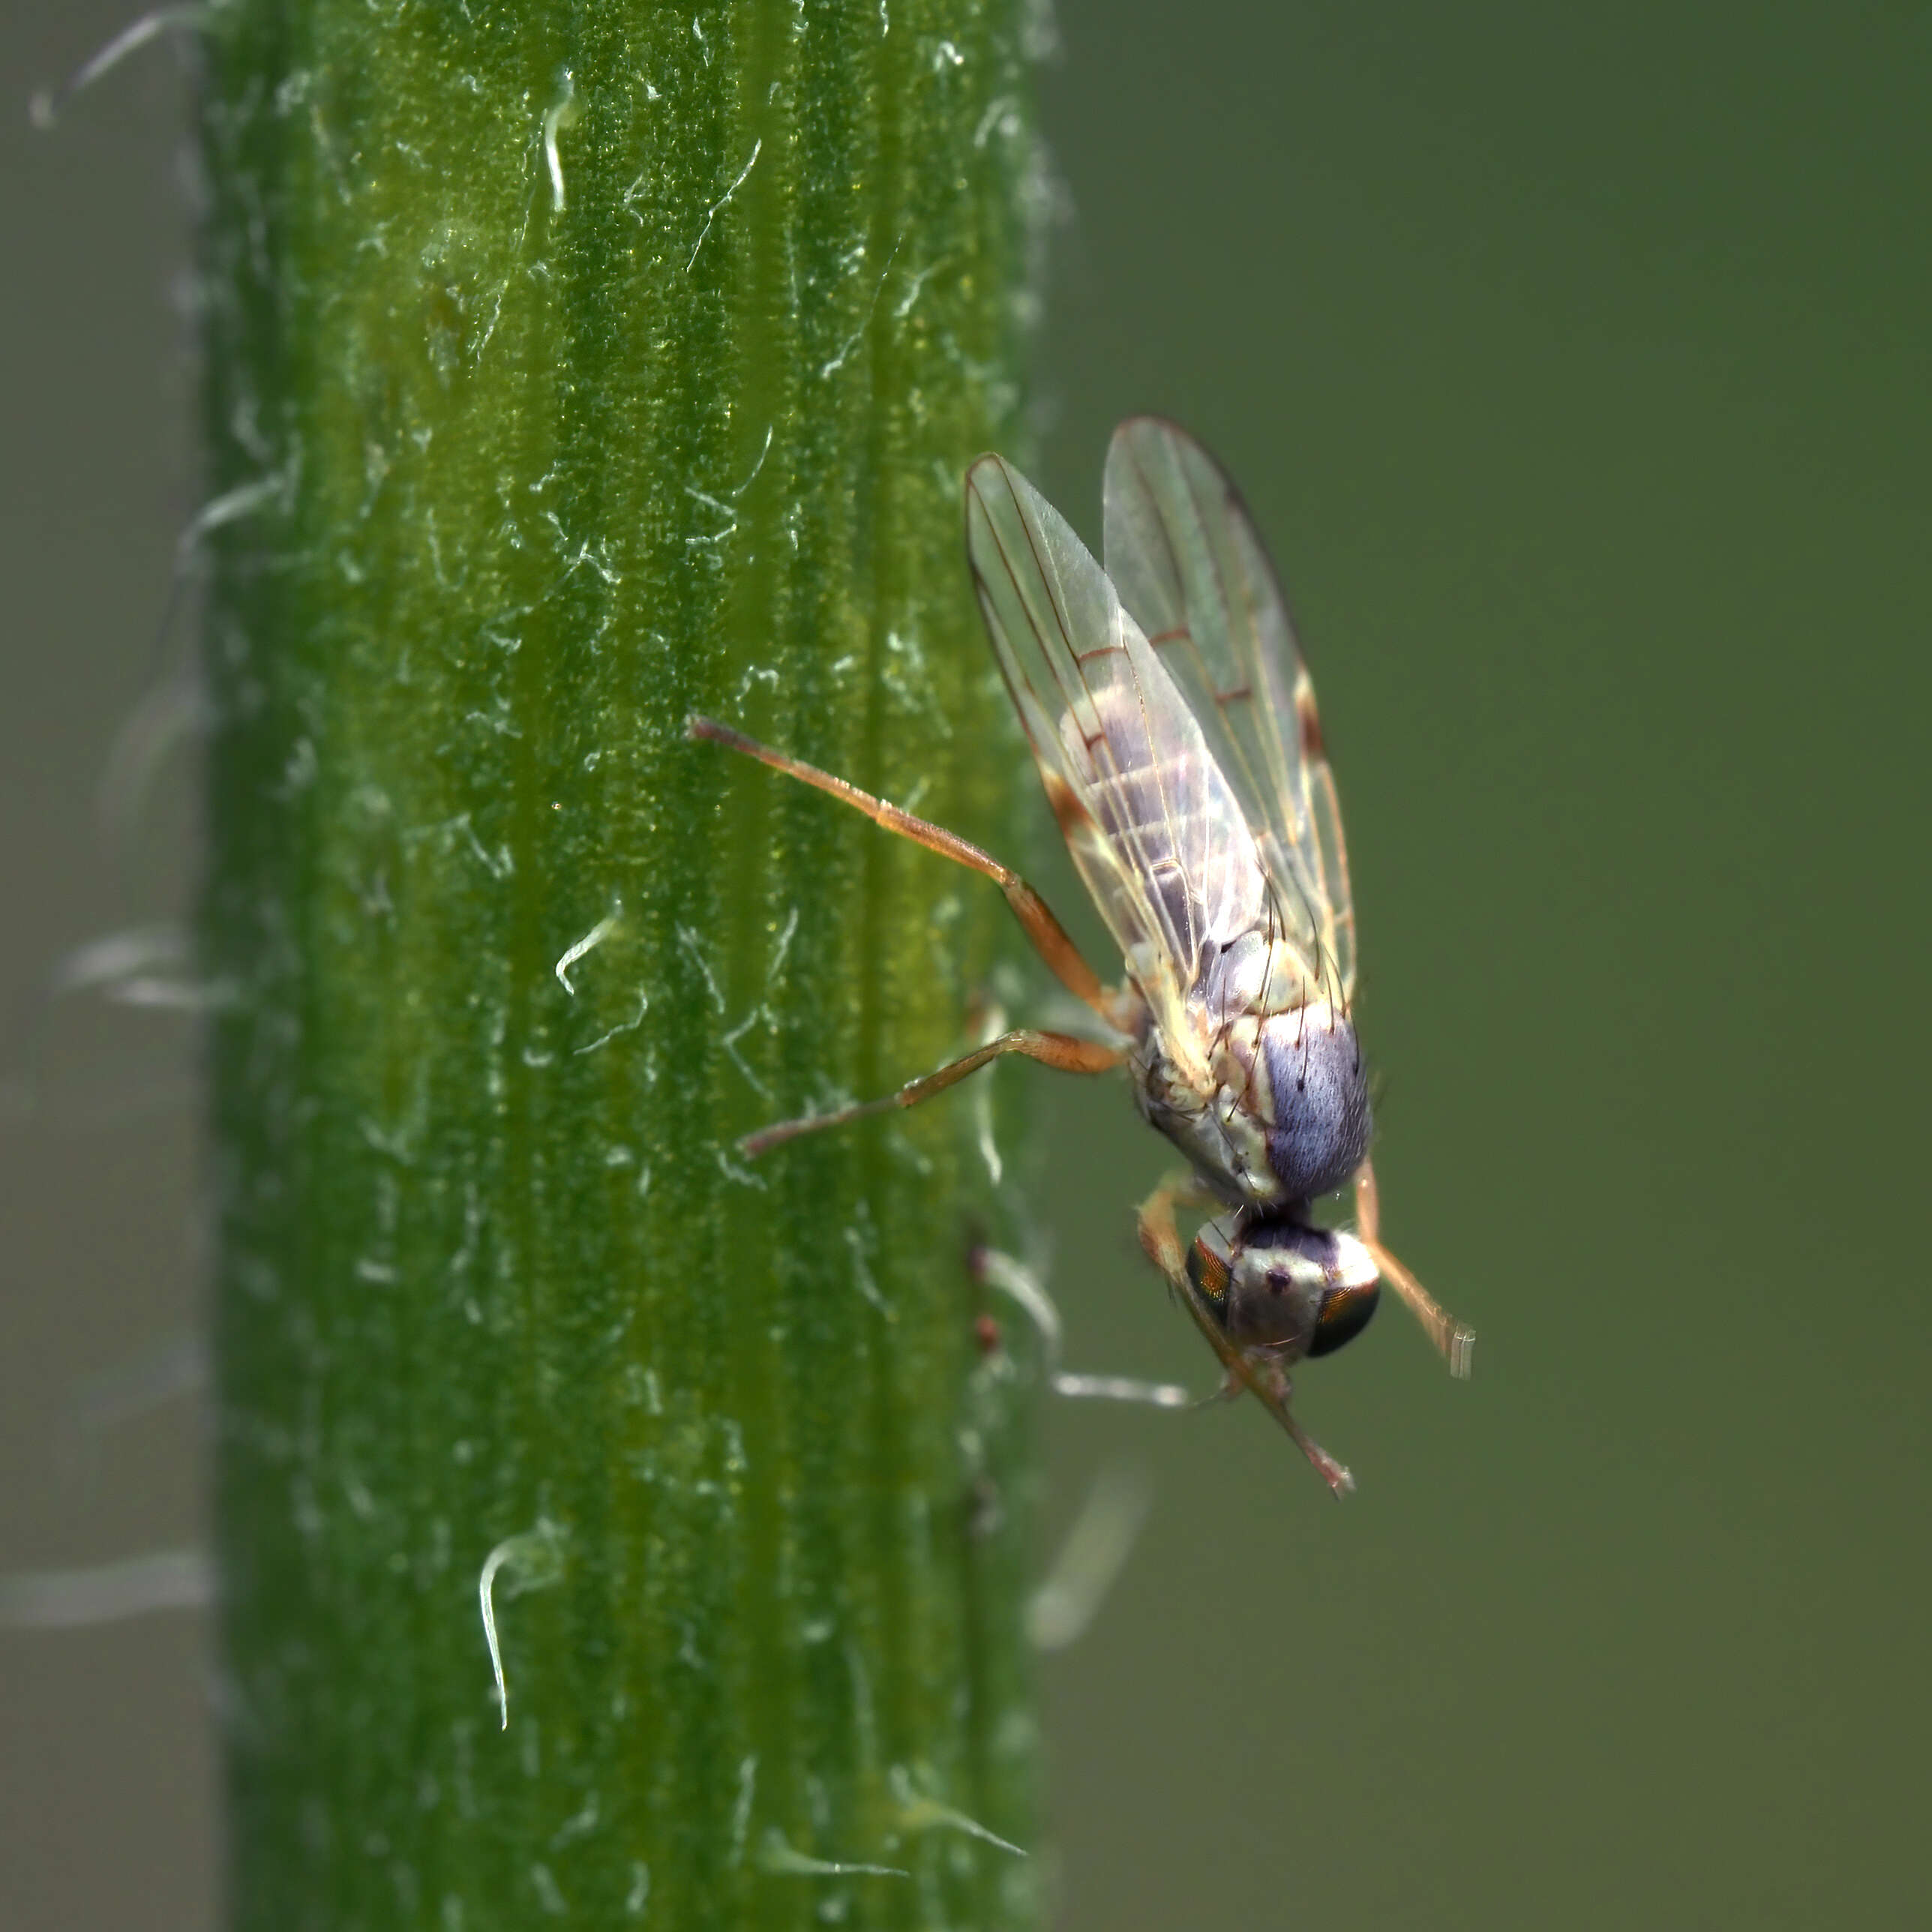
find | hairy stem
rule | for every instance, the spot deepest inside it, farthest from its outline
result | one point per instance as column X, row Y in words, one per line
column 571, row 368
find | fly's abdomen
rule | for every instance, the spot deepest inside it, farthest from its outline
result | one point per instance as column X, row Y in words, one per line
column 1168, row 812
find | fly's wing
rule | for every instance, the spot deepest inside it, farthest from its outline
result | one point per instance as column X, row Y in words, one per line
column 1193, row 573
column 1158, row 836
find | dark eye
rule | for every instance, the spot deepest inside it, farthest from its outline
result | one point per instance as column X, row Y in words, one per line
column 1344, row 1314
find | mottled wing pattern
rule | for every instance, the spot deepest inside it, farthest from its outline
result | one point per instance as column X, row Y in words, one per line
column 1160, row 838
column 1193, row 573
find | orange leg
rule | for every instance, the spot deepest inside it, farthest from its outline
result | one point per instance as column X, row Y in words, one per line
column 1455, row 1342
column 1048, row 936
column 1252, row 1369
column 1061, row 1050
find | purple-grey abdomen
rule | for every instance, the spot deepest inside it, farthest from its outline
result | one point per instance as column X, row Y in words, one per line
column 1318, row 1089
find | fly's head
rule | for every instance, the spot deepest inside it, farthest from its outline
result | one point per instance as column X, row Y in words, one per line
column 1277, row 1285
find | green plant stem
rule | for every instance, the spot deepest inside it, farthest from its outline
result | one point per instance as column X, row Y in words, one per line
column 571, row 368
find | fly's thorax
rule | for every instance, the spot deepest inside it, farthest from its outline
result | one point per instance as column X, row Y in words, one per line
column 1279, row 1284
column 1226, row 1146
column 1312, row 1089
column 1233, row 982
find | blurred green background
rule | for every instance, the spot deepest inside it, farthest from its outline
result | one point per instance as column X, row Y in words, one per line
column 1575, row 361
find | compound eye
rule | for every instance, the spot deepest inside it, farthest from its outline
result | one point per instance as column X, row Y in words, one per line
column 1343, row 1315
column 1207, row 1270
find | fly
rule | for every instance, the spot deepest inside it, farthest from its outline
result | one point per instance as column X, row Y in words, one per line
column 1173, row 725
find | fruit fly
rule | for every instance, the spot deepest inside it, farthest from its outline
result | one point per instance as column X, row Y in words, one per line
column 1173, row 725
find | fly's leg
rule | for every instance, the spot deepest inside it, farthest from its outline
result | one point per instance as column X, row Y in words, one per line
column 1454, row 1341
column 1050, row 939
column 1160, row 1239
column 1253, row 1369
column 1061, row 1050
column 1270, row 1383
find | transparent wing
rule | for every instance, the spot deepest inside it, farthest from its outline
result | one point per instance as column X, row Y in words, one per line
column 1159, row 837
column 1195, row 575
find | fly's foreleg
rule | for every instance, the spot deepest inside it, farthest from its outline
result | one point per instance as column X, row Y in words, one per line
column 1160, row 1239
column 1454, row 1341
column 1050, row 938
